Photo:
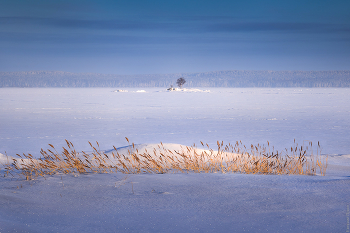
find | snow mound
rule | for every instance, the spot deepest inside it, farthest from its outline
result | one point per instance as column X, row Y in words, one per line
column 121, row 91
column 187, row 90
column 156, row 149
column 5, row 159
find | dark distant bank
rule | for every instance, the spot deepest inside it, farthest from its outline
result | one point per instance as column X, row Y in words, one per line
column 234, row 78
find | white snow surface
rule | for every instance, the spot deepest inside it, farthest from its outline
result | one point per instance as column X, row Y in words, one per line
column 179, row 202
column 4, row 159
column 187, row 90
column 157, row 147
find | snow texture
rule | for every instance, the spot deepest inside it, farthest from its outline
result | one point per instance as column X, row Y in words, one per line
column 181, row 202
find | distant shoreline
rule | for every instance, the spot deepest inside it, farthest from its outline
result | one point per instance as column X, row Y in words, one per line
column 233, row 78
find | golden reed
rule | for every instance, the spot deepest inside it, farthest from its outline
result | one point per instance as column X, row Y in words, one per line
column 227, row 158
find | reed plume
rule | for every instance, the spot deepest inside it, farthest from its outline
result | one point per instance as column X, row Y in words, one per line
column 298, row 160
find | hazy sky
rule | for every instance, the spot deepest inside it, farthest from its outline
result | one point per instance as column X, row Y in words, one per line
column 168, row 36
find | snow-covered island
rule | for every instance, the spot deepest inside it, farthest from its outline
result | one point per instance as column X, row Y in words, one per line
column 186, row 89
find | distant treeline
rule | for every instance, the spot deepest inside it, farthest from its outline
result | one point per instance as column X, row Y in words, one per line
column 235, row 78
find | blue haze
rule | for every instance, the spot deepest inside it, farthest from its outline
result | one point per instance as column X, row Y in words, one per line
column 135, row 37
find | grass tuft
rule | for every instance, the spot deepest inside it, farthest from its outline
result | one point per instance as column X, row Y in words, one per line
column 298, row 160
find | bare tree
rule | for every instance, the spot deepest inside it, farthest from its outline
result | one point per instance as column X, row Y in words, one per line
column 180, row 82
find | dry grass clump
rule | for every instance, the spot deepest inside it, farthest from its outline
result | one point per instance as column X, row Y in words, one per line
column 229, row 158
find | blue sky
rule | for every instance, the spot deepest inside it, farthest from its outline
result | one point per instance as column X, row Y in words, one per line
column 136, row 37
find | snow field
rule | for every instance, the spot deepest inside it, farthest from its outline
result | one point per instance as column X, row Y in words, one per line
column 30, row 119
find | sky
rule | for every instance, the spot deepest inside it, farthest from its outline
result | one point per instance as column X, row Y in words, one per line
column 154, row 36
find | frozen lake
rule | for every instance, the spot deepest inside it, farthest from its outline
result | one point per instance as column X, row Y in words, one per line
column 182, row 202
column 31, row 118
